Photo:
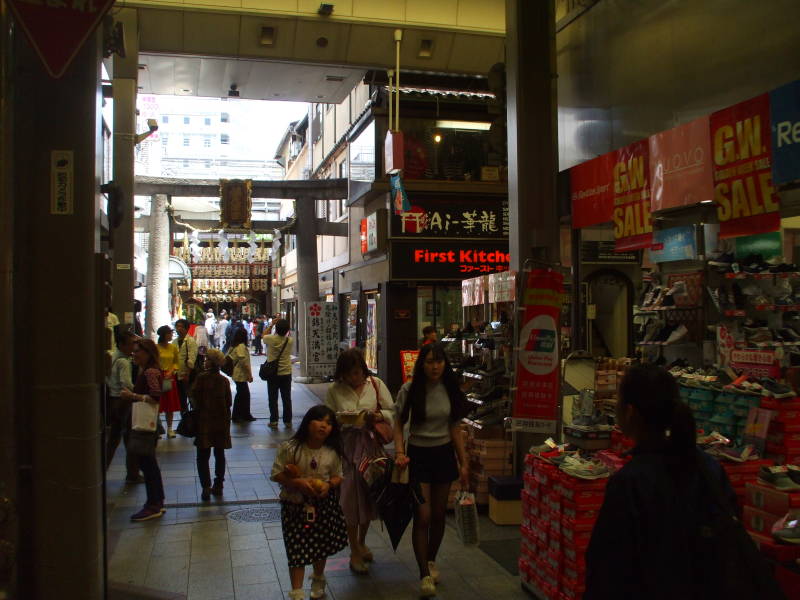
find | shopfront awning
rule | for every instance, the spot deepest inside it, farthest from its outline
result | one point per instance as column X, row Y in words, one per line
column 179, row 269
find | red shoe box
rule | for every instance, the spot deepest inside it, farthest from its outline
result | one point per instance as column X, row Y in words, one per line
column 545, row 473
column 570, row 592
column 554, row 543
column 781, row 404
column 759, row 521
column 578, row 513
column 771, row 500
column 574, row 551
column 789, row 581
column 785, row 459
column 575, row 572
column 531, row 485
column 529, row 497
column 782, row 553
column 552, row 501
column 789, row 439
column 788, row 420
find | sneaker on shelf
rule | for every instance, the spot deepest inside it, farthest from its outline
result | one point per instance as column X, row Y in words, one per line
column 678, row 288
column 738, row 454
column 760, row 300
column 777, row 477
column 793, row 472
column 677, row 334
column 755, row 267
column 777, row 390
column 784, row 301
column 751, row 289
column 760, row 335
column 584, row 469
column 787, row 529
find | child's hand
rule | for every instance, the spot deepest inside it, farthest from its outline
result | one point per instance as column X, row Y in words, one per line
column 303, row 485
column 322, row 490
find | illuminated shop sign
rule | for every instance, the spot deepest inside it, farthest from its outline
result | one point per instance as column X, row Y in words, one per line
column 484, row 218
column 447, row 260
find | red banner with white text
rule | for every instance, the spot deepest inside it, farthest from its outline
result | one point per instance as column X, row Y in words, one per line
column 590, row 191
column 746, row 201
column 538, row 365
column 633, row 228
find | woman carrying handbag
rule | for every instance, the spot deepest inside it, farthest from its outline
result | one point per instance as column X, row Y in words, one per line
column 365, row 409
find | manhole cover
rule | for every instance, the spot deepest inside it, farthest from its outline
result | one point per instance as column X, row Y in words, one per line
column 255, row 515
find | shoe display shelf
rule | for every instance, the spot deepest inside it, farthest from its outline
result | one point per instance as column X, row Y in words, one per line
column 488, row 458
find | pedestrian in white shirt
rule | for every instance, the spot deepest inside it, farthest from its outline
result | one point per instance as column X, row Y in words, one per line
column 211, row 329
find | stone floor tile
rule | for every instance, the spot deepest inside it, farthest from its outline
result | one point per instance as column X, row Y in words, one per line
column 259, row 591
column 245, row 558
column 170, row 574
column 165, row 547
column 248, row 542
column 258, row 573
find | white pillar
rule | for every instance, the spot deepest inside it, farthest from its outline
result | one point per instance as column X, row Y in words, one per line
column 157, row 267
column 307, row 271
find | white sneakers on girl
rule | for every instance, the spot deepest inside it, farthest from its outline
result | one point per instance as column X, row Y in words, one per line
column 317, row 586
column 297, row 595
column 433, row 571
column 427, row 587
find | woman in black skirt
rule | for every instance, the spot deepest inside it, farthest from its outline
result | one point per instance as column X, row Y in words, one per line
column 309, row 469
column 435, row 405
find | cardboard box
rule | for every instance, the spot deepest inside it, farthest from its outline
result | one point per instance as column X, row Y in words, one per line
column 759, row 521
column 771, row 500
column 505, row 512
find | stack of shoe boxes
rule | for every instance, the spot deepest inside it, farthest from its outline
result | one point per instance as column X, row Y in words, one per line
column 783, row 437
column 724, row 412
column 764, row 506
column 558, row 514
column 740, row 474
column 488, row 457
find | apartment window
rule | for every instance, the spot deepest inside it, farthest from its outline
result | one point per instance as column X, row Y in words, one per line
column 185, row 140
column 322, row 206
column 342, row 207
column 207, row 142
column 186, row 120
column 225, row 118
column 207, row 120
column 224, row 138
column 208, row 164
column 165, row 119
column 185, row 164
column 333, row 210
column 164, row 139
column 343, row 170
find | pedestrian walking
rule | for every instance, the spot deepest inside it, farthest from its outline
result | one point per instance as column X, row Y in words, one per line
column 434, row 405
column 309, row 470
column 211, row 400
column 118, row 410
column 429, row 336
column 187, row 359
column 652, row 535
column 258, row 331
column 211, row 329
column 278, row 347
column 242, row 376
column 357, row 392
column 148, row 389
column 168, row 359
column 221, row 332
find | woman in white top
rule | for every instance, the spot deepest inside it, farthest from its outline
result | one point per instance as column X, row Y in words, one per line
column 356, row 390
column 242, row 376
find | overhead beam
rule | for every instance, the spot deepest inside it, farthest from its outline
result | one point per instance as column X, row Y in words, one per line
column 142, row 224
column 315, row 189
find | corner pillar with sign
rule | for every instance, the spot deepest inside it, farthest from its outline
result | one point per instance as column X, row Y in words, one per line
column 307, row 286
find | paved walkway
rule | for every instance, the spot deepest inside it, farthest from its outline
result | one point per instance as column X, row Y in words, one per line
column 198, row 551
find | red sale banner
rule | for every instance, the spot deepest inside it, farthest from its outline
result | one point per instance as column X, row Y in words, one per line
column 740, row 138
column 538, row 365
column 590, row 191
column 633, row 228
column 680, row 166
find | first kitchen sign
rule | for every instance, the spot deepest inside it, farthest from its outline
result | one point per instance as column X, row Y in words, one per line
column 58, row 29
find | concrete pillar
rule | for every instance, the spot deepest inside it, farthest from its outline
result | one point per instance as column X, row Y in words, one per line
column 124, row 85
column 157, row 267
column 532, row 131
column 307, row 269
column 56, row 386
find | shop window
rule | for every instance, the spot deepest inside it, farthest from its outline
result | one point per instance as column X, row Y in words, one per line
column 225, row 118
column 185, row 140
column 186, row 120
column 165, row 119
column 207, row 121
column 207, row 142
column 439, row 306
column 224, row 138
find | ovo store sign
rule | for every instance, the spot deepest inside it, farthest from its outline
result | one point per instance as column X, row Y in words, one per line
column 633, row 228
column 746, row 201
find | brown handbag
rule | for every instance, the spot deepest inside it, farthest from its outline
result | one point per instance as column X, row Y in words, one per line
column 383, row 431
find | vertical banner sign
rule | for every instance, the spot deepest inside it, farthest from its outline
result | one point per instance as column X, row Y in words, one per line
column 784, row 106
column 591, row 192
column 322, row 338
column 538, row 364
column 62, row 181
column 680, row 166
column 408, row 358
column 633, row 228
column 746, row 201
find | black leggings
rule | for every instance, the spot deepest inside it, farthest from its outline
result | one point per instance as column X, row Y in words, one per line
column 429, row 522
column 203, row 454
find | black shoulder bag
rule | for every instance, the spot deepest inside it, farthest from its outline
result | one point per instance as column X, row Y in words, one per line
column 269, row 368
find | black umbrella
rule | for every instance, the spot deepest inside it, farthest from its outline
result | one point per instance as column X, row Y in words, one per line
column 395, row 503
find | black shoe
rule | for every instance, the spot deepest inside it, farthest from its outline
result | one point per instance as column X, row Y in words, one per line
column 216, row 489
column 205, row 496
column 250, row 418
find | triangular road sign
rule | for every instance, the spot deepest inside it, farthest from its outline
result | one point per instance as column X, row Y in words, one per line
column 57, row 29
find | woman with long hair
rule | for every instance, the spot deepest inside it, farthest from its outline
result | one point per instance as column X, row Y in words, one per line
column 211, row 400
column 242, row 376
column 148, row 389
column 357, row 391
column 279, row 347
column 434, row 405
column 646, row 541
column 168, row 359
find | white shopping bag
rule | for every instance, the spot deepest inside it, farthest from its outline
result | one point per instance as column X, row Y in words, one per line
column 144, row 416
column 467, row 517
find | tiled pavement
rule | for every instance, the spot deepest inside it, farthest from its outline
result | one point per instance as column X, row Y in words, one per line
column 195, row 551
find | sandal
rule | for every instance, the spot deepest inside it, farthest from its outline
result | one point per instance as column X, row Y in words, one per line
column 358, row 567
column 367, row 555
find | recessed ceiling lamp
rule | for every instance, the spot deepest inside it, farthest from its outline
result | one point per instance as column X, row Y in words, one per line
column 325, row 10
column 267, row 37
column 475, row 125
column 425, row 49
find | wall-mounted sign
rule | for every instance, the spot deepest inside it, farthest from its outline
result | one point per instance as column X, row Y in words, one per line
column 408, row 358
column 676, row 243
column 322, row 333
column 372, row 232
column 447, row 260
column 784, row 106
column 603, row 252
column 633, row 228
column 591, row 191
column 62, row 182
column 402, row 313
column 363, row 236
column 746, row 201
column 235, row 203
column 486, row 218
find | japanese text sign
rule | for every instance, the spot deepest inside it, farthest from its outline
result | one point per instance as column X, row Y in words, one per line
column 447, row 260
column 633, row 228
column 322, row 337
column 680, row 166
column 408, row 358
column 434, row 218
column 746, row 200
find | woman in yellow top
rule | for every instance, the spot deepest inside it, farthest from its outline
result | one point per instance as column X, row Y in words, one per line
column 168, row 359
column 279, row 347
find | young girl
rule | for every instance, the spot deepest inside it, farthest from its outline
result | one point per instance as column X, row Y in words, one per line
column 309, row 469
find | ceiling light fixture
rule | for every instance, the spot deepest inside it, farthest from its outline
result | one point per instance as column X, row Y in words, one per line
column 473, row 125
column 706, row 201
column 267, row 37
column 425, row 49
column 233, row 92
column 325, row 10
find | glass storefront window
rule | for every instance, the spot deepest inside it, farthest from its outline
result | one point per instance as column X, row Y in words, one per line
column 362, row 155
column 439, row 306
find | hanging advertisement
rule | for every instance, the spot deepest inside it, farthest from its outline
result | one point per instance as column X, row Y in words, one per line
column 322, row 338
column 538, row 365
column 784, row 105
column 408, row 358
column 591, row 193
column 680, row 166
column 633, row 228
column 676, row 243
column 352, row 322
column 746, row 201
column 371, row 347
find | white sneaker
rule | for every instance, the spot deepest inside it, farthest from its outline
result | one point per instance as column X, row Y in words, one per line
column 170, row 433
column 433, row 571
column 427, row 587
column 677, row 335
column 317, row 586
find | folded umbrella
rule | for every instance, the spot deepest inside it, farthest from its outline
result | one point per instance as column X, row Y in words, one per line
column 395, row 503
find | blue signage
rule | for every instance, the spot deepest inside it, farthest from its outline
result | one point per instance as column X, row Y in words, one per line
column 677, row 243
column 784, row 106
